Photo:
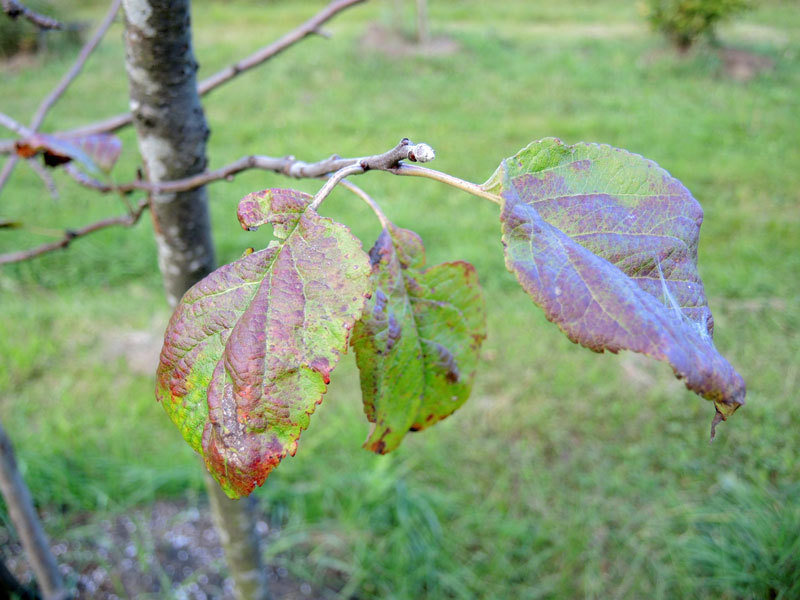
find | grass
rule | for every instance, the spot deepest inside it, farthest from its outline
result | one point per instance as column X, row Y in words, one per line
column 567, row 474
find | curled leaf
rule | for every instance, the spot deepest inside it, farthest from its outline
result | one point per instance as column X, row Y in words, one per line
column 418, row 340
column 248, row 352
column 278, row 207
column 605, row 242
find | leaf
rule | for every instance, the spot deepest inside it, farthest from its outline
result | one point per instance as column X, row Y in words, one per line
column 605, row 242
column 281, row 208
column 97, row 151
column 103, row 148
column 418, row 341
column 248, row 352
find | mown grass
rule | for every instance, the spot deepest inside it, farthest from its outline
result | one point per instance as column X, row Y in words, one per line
column 567, row 474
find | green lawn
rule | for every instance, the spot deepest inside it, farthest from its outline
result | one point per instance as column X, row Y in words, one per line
column 567, row 474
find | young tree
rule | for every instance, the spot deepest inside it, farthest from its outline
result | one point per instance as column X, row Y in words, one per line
column 684, row 22
column 603, row 240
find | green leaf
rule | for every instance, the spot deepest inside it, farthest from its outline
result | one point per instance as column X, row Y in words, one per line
column 605, row 242
column 248, row 352
column 418, row 341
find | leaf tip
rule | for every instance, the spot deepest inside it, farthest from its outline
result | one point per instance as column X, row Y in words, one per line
column 718, row 418
column 376, row 441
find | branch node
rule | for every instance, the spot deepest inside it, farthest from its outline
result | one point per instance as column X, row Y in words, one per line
column 295, row 169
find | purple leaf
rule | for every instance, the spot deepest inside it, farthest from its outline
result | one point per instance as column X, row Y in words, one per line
column 605, row 242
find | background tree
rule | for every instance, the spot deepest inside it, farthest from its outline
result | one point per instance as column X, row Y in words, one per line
column 684, row 22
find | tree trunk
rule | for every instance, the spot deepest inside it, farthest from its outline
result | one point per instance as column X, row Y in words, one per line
column 26, row 522
column 239, row 538
column 172, row 133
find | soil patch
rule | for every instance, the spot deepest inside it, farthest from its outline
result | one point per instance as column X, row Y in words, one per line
column 395, row 45
column 742, row 65
column 166, row 550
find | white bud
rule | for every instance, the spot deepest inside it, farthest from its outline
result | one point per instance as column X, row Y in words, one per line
column 422, row 153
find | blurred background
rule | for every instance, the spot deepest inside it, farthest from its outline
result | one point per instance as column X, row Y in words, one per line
column 567, row 474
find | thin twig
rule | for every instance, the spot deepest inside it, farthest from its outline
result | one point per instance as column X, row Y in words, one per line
column 15, row 126
column 310, row 27
column 127, row 220
column 326, row 189
column 385, row 222
column 467, row 186
column 15, row 9
column 8, row 168
column 70, row 76
column 44, row 175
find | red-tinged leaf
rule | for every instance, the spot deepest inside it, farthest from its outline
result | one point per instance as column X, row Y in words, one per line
column 281, row 208
column 248, row 352
column 418, row 340
column 98, row 151
column 605, row 242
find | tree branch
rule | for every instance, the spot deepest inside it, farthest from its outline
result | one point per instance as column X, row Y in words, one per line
column 288, row 165
column 310, row 27
column 8, row 168
column 44, row 175
column 127, row 220
column 338, row 168
column 337, row 177
column 15, row 9
column 467, row 186
column 58, row 91
column 70, row 76
column 15, row 126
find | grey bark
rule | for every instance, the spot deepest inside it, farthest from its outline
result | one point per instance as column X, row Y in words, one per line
column 26, row 522
column 172, row 133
